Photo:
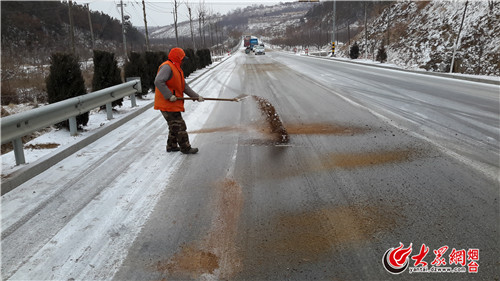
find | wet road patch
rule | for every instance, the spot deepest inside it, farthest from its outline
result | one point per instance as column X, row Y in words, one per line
column 365, row 159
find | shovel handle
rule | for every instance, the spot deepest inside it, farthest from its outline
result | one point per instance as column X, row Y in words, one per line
column 216, row 99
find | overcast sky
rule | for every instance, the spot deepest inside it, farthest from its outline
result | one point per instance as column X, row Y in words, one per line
column 159, row 12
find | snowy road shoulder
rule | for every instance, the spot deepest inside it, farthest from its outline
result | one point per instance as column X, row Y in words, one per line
column 80, row 217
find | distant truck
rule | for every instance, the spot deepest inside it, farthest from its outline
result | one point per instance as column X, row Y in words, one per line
column 246, row 41
column 254, row 42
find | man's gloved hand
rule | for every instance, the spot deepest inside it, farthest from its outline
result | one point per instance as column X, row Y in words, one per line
column 173, row 98
column 200, row 99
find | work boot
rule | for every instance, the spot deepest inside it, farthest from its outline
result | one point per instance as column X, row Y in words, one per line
column 191, row 150
column 173, row 149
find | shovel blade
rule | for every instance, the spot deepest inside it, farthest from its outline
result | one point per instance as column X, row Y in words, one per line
column 241, row 97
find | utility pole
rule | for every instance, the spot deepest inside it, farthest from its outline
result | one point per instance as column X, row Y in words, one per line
column 145, row 25
column 333, row 29
column 123, row 31
column 71, row 28
column 176, row 6
column 91, row 28
column 458, row 37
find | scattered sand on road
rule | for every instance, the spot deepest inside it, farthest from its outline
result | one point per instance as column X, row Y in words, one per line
column 215, row 255
column 313, row 236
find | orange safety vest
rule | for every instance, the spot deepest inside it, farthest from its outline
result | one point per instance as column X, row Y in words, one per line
column 176, row 85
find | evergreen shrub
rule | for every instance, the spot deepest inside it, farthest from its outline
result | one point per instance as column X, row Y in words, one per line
column 381, row 54
column 191, row 64
column 153, row 62
column 65, row 81
column 106, row 73
column 136, row 67
column 354, row 52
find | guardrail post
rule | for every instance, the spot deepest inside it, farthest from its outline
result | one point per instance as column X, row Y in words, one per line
column 132, row 100
column 109, row 110
column 19, row 151
column 73, row 128
column 132, row 96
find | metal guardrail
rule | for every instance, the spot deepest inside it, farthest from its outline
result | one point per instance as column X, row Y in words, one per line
column 14, row 127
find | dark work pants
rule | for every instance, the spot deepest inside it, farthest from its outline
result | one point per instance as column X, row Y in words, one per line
column 177, row 135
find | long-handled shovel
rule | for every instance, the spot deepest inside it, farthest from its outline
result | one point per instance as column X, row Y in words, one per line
column 236, row 99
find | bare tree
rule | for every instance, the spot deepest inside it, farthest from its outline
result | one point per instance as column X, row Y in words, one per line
column 202, row 11
column 217, row 32
column 191, row 24
column 176, row 7
column 388, row 29
column 491, row 4
column 210, row 25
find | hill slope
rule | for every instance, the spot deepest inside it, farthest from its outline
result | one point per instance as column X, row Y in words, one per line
column 34, row 29
column 423, row 35
column 250, row 20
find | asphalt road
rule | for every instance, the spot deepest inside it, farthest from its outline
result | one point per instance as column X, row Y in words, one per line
column 374, row 159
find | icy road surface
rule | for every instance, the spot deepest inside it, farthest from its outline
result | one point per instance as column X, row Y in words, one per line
column 375, row 158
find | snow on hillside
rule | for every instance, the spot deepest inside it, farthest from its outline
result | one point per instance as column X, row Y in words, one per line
column 183, row 29
column 423, row 35
column 276, row 24
column 275, row 18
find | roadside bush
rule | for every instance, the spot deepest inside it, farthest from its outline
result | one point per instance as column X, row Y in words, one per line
column 136, row 67
column 354, row 52
column 190, row 65
column 106, row 73
column 22, row 84
column 381, row 54
column 9, row 95
column 66, row 81
column 153, row 61
column 204, row 58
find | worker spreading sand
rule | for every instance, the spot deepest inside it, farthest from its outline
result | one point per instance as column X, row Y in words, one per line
column 277, row 129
